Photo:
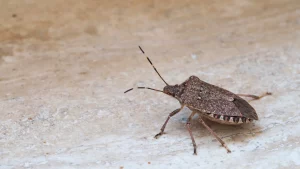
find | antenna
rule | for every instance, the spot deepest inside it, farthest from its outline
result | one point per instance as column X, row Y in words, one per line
column 144, row 88
column 153, row 67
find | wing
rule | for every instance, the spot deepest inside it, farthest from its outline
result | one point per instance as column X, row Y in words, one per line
column 208, row 98
column 238, row 107
column 245, row 108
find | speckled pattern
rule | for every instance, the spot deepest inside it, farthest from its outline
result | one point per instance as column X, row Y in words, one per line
column 215, row 100
column 210, row 100
column 64, row 67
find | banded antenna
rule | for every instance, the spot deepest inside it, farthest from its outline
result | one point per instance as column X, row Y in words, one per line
column 144, row 88
column 155, row 71
column 153, row 66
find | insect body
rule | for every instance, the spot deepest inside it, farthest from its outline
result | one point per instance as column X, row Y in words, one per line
column 210, row 102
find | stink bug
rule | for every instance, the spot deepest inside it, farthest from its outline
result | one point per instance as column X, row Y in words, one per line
column 210, row 102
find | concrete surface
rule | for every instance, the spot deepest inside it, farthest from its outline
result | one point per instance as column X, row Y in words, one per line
column 64, row 66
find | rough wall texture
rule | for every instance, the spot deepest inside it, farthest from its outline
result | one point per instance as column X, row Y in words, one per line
column 64, row 66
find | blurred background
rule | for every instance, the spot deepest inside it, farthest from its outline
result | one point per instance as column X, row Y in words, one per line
column 64, row 66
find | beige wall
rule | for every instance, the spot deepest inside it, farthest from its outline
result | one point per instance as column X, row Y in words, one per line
column 65, row 64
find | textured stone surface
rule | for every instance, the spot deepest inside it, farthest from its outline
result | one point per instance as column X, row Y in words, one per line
column 64, row 66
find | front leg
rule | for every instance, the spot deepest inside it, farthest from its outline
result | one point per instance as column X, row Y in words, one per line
column 165, row 124
column 254, row 97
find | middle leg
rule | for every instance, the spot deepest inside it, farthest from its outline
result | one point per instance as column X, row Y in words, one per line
column 188, row 123
column 213, row 133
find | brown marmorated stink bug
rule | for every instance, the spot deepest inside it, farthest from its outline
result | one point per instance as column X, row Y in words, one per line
column 210, row 102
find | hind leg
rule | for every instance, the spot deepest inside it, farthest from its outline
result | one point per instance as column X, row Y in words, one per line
column 255, row 97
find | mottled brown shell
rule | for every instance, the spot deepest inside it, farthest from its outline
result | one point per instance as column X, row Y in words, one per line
column 213, row 101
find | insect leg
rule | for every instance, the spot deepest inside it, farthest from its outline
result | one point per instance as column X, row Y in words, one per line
column 164, row 126
column 188, row 123
column 213, row 133
column 254, row 96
